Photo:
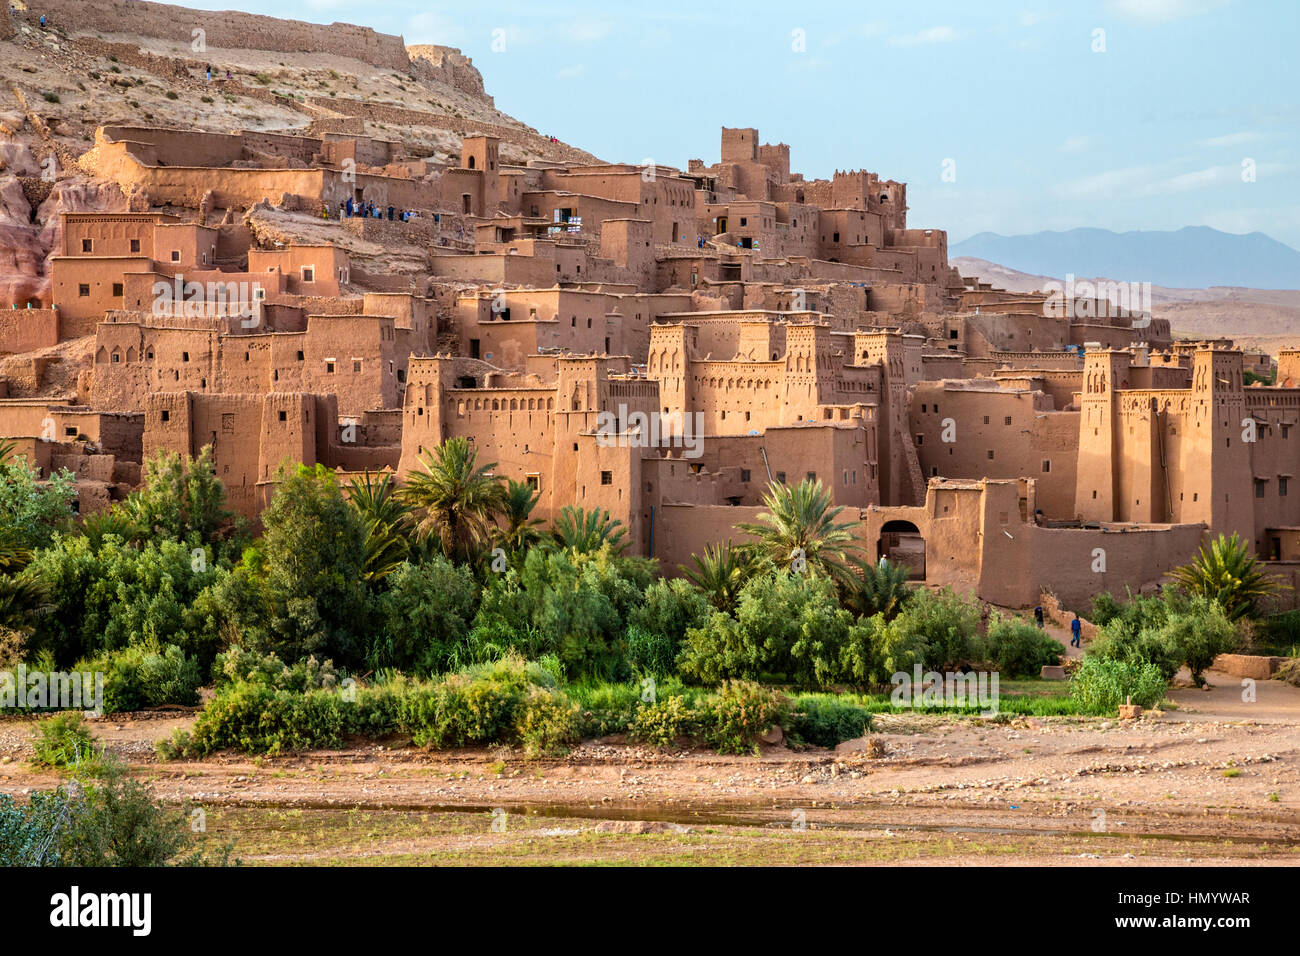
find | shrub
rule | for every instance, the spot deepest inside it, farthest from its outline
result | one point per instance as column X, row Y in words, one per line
column 238, row 665
column 545, row 722
column 741, row 713
column 572, row 605
column 65, row 742
column 1100, row 685
column 787, row 624
column 50, row 96
column 827, row 721
column 113, row 821
column 947, row 623
column 650, row 652
column 1169, row 632
column 1015, row 647
column 256, row 719
column 423, row 617
column 139, row 677
column 661, row 723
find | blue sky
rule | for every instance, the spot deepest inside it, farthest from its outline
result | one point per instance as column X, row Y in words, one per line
column 1048, row 123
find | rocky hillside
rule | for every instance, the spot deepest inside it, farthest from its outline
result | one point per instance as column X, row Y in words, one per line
column 135, row 63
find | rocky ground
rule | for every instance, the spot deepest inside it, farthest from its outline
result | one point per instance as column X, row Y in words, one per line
column 1215, row 781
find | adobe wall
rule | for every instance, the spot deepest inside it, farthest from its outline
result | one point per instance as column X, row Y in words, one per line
column 228, row 29
column 25, row 330
column 683, row 530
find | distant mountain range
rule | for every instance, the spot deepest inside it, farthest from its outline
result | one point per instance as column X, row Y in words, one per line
column 1195, row 257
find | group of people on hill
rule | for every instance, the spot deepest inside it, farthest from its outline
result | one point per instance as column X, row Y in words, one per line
column 349, row 209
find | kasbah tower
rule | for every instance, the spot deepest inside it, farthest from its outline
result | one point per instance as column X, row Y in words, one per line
column 350, row 279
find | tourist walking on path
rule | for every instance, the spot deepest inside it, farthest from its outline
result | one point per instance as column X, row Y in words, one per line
column 1038, row 616
column 1076, row 628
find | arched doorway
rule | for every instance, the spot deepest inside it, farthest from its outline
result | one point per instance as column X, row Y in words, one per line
column 901, row 542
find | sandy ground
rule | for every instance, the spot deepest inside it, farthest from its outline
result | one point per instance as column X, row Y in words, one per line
column 1215, row 781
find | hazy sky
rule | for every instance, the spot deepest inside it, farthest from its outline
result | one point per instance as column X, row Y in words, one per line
column 1121, row 114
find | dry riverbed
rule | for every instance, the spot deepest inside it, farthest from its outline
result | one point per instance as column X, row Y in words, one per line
column 1213, row 782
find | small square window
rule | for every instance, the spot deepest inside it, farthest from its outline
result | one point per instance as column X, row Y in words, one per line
column 990, row 454
column 300, row 355
column 83, row 290
column 1047, row 465
column 185, row 356
column 87, row 245
column 744, row 474
column 117, row 289
column 1007, row 420
column 135, row 245
column 166, row 415
column 356, row 365
column 606, row 477
column 329, row 367
column 176, row 255
column 284, row 416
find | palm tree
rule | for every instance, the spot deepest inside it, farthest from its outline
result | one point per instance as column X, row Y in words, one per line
column 518, row 531
column 879, row 588
column 455, row 499
column 22, row 597
column 387, row 520
column 588, row 531
column 14, row 552
column 720, row 573
column 799, row 530
column 116, row 521
column 1225, row 571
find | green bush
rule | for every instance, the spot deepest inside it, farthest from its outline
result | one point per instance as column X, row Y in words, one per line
column 545, row 721
column 1100, row 685
column 111, row 821
column 65, row 742
column 255, row 718
column 825, row 721
column 658, row 626
column 1169, row 632
column 785, row 624
column 740, row 714
column 238, row 665
column 1017, row 648
column 948, row 624
column 572, row 605
column 661, row 723
column 139, row 677
column 423, row 617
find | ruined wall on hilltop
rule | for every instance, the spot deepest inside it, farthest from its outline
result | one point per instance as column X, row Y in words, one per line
column 228, row 29
column 447, row 65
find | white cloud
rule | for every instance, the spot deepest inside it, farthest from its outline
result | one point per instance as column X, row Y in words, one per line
column 932, row 35
column 572, row 72
column 1162, row 11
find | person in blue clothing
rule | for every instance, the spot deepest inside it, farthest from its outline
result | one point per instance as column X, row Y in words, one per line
column 1038, row 616
column 1076, row 629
